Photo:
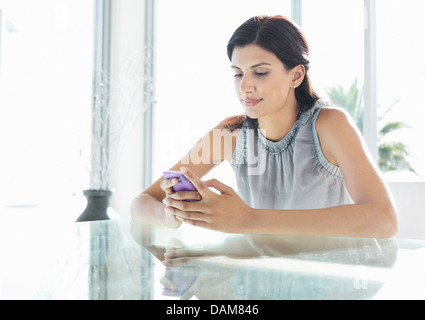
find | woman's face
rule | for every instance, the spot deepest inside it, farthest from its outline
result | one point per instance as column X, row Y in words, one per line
column 262, row 83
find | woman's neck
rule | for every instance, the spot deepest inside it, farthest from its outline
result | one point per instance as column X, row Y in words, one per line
column 277, row 125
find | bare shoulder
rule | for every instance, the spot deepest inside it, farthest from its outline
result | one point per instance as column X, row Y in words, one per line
column 337, row 132
column 232, row 123
column 334, row 122
column 334, row 116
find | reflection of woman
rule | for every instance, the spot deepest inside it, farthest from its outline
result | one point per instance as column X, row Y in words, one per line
column 301, row 164
column 187, row 274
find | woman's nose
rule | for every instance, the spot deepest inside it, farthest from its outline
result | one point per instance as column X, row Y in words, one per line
column 247, row 85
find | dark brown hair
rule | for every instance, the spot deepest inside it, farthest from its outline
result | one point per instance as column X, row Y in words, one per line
column 282, row 37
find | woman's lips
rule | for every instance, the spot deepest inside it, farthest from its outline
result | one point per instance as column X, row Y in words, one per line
column 251, row 102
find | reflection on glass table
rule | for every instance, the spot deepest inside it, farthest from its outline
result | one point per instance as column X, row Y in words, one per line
column 45, row 258
column 258, row 267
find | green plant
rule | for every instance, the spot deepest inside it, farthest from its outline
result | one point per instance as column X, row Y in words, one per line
column 392, row 155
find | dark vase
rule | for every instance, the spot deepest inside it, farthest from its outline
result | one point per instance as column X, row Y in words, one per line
column 97, row 206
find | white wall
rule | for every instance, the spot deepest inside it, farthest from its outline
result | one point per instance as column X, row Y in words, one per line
column 127, row 65
column 410, row 200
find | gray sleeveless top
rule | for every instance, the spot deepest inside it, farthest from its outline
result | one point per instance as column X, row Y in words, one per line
column 292, row 173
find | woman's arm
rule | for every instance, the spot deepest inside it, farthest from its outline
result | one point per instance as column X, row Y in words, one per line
column 217, row 145
column 373, row 213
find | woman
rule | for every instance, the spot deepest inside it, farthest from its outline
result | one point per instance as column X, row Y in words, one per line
column 302, row 167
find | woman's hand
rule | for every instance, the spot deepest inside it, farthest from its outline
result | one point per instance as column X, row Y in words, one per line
column 169, row 220
column 186, row 275
column 225, row 212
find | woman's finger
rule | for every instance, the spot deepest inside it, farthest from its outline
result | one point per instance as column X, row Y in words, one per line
column 191, row 206
column 221, row 187
column 167, row 185
column 166, row 282
column 188, row 215
column 198, row 223
column 196, row 181
column 185, row 195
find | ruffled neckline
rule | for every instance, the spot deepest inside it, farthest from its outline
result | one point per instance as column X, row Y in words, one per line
column 279, row 146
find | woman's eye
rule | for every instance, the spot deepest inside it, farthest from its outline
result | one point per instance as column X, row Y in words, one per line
column 257, row 74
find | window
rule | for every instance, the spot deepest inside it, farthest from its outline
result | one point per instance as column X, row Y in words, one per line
column 401, row 79
column 334, row 30
column 45, row 98
column 337, row 56
column 194, row 79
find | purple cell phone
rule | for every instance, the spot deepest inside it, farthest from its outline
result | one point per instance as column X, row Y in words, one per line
column 183, row 279
column 183, row 183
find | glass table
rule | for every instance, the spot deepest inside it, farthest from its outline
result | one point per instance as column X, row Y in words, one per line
column 45, row 258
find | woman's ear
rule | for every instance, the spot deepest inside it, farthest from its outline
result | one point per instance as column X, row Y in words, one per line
column 298, row 74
